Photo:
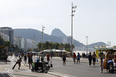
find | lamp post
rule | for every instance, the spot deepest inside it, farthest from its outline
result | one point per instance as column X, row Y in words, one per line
column 42, row 36
column 72, row 11
column 86, row 44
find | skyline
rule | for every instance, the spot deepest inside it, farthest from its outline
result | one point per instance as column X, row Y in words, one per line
column 93, row 18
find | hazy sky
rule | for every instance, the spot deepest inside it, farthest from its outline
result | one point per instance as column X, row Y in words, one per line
column 93, row 18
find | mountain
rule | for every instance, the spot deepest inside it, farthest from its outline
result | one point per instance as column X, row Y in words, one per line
column 57, row 32
column 29, row 34
column 96, row 44
column 56, row 36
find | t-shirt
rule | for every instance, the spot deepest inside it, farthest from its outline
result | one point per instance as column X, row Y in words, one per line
column 48, row 56
column 89, row 57
column 74, row 56
column 78, row 56
column 110, row 57
column 94, row 56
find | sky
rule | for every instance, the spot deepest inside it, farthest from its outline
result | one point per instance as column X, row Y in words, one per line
column 93, row 18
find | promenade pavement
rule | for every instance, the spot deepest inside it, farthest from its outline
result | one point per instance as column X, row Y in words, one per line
column 23, row 72
column 82, row 60
column 26, row 72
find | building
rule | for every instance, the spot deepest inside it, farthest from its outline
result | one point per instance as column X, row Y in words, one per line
column 17, row 41
column 8, row 31
column 4, row 36
column 25, row 44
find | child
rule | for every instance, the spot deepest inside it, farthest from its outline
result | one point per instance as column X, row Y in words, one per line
column 101, row 65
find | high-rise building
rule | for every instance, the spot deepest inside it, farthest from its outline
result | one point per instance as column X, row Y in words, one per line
column 9, row 31
column 4, row 36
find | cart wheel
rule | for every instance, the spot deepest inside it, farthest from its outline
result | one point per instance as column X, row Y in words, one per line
column 46, row 71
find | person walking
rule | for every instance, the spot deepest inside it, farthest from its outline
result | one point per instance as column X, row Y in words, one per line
column 48, row 57
column 64, row 58
column 18, row 62
column 5, row 57
column 101, row 65
column 25, row 58
column 90, row 59
column 30, row 60
column 94, row 58
column 78, row 58
column 74, row 57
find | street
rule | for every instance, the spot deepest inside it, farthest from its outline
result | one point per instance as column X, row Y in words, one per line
column 79, row 70
column 58, row 70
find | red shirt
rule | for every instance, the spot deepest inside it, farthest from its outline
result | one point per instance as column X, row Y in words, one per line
column 110, row 57
column 74, row 55
column 48, row 56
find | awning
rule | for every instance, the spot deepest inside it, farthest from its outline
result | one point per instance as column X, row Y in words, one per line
column 103, row 48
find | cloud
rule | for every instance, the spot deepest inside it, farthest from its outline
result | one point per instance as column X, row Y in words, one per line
column 21, row 21
column 7, row 6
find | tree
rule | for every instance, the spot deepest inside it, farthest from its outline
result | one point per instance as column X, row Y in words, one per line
column 7, row 43
column 51, row 45
column 1, row 39
column 39, row 46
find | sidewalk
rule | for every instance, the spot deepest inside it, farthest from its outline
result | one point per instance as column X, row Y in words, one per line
column 23, row 72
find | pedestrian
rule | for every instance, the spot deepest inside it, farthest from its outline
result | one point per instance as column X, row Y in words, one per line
column 110, row 56
column 30, row 60
column 101, row 65
column 84, row 55
column 74, row 57
column 105, row 61
column 78, row 58
column 48, row 57
column 64, row 58
column 51, row 55
column 5, row 57
column 115, row 61
column 25, row 58
column 19, row 55
column 90, row 59
column 42, row 57
column 94, row 58
column 18, row 62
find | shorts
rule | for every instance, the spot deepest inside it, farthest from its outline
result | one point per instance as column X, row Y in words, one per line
column 30, row 61
column 64, row 59
column 78, row 58
column 5, row 58
column 74, row 59
column 48, row 59
column 94, row 60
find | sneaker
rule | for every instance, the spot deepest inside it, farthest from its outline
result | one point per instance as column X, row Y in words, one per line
column 101, row 71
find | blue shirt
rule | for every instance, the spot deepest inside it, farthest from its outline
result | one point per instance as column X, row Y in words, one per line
column 78, row 56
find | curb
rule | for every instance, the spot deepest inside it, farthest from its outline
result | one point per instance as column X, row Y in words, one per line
column 10, row 75
column 48, row 72
column 54, row 74
column 61, row 74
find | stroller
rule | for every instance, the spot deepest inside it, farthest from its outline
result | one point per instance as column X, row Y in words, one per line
column 40, row 66
column 110, row 66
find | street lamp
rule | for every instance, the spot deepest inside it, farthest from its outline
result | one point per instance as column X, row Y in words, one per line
column 72, row 11
column 42, row 36
column 86, row 44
